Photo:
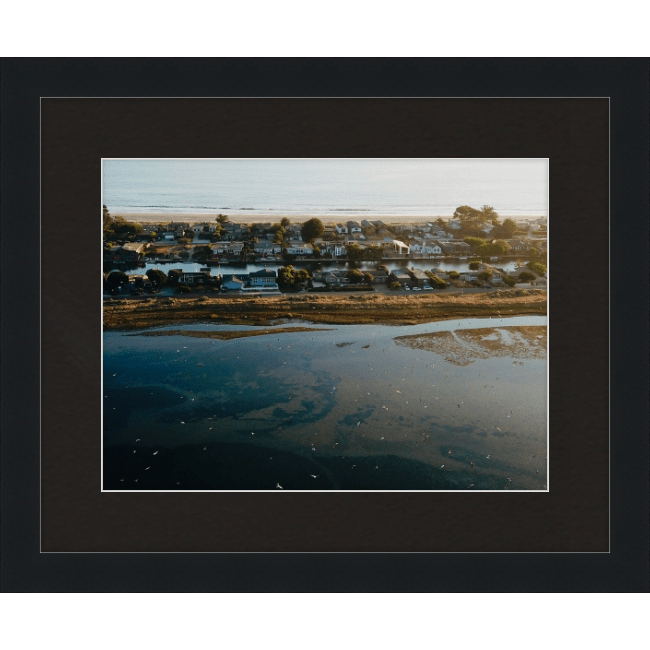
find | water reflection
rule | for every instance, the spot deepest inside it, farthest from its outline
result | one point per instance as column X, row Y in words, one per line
column 360, row 407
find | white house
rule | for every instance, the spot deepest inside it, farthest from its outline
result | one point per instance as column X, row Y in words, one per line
column 300, row 249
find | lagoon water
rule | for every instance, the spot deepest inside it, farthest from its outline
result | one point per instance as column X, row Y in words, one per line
column 334, row 188
column 351, row 408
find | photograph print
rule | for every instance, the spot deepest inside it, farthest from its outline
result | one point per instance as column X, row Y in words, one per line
column 325, row 324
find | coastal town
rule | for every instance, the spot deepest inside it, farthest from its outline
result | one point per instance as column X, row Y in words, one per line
column 312, row 256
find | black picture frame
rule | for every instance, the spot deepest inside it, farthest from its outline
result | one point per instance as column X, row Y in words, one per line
column 568, row 95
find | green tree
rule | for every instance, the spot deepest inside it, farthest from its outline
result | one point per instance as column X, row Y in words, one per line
column 474, row 266
column 536, row 267
column 373, row 253
column 526, row 276
column 499, row 247
column 508, row 281
column 368, row 278
column 485, row 276
column 469, row 216
column 435, row 280
column 285, row 222
column 488, row 215
column 506, row 230
column 354, row 252
column 394, row 286
column 222, row 218
column 286, row 276
column 441, row 223
column 355, row 276
column 107, row 219
column 157, row 277
column 312, row 229
column 453, row 275
column 117, row 279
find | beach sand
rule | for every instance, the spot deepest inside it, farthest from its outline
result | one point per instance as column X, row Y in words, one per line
column 275, row 217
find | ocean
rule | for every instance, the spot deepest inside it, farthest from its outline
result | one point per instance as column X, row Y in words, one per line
column 335, row 189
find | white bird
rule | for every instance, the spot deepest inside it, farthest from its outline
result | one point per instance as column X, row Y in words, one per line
column 146, row 468
column 135, row 480
column 315, row 475
column 509, row 480
column 155, row 452
column 441, row 466
column 182, row 422
column 137, row 439
column 252, row 433
column 204, row 448
column 277, row 485
column 358, row 423
column 134, row 451
column 488, row 456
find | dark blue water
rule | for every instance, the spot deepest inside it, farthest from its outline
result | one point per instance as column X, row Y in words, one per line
column 351, row 408
column 340, row 189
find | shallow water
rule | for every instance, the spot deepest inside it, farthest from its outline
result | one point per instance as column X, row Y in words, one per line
column 353, row 408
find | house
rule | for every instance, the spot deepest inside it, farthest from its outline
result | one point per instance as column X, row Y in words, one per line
column 193, row 278
column 453, row 247
column 232, row 283
column 418, row 278
column 203, row 227
column 402, row 276
column 300, row 249
column 136, row 282
column 132, row 250
column 455, row 224
column 378, row 277
column 400, row 247
column 263, row 278
column 341, row 229
column 227, row 247
column 518, row 245
column 169, row 236
column 267, row 248
column 354, row 227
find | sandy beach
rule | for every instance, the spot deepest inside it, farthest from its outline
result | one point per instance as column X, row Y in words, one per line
column 274, row 217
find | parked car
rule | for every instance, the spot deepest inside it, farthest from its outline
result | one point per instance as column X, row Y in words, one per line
column 407, row 288
column 428, row 287
column 417, row 289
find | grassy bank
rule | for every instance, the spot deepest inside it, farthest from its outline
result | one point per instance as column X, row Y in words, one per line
column 326, row 309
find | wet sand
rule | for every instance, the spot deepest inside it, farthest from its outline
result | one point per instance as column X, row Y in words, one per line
column 463, row 347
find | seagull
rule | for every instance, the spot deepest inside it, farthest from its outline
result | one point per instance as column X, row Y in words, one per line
column 358, row 423
column 277, row 485
column 146, row 468
column 134, row 451
column 123, row 480
column 315, row 475
column 471, row 464
column 488, row 456
column 182, row 422
column 155, row 452
column 509, row 480
column 135, row 480
column 204, row 448
column 137, row 439
column 441, row 466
